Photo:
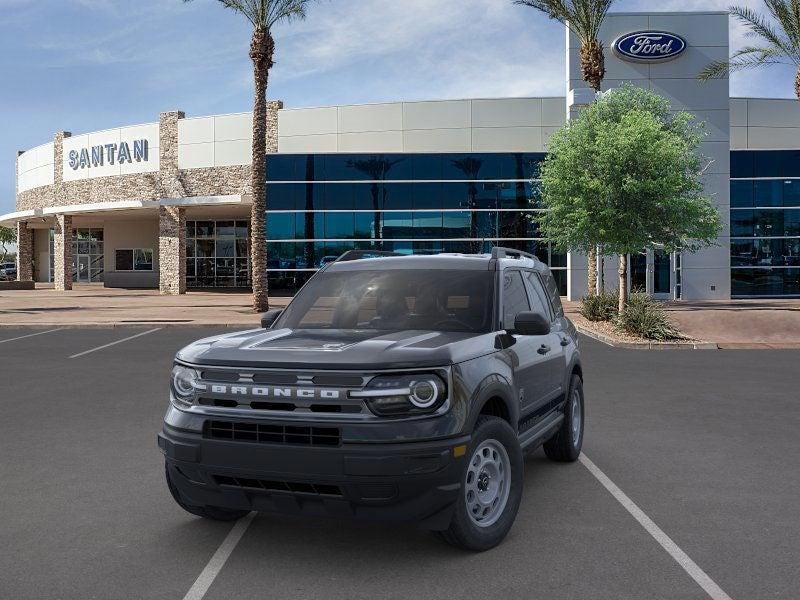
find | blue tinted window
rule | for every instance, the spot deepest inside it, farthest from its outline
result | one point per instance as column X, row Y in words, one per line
column 281, row 196
column 365, row 225
column 455, row 195
column 768, row 193
column 339, row 225
column 397, row 196
column 742, row 223
column 427, row 224
column 741, row 194
column 280, row 226
column 281, row 167
column 426, row 166
column 791, row 192
column 765, row 282
column 742, row 164
column 456, row 224
column 398, row 225
column 426, row 195
column 339, row 196
column 768, row 163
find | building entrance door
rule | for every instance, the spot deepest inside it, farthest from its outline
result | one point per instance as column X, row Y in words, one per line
column 83, row 269
column 651, row 272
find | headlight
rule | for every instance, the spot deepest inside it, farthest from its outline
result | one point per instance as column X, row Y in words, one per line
column 183, row 384
column 398, row 395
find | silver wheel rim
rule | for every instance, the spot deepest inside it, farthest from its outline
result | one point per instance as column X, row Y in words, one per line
column 488, row 483
column 576, row 417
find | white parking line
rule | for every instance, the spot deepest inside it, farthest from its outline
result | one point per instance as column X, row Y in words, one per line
column 688, row 565
column 214, row 566
column 22, row 337
column 115, row 343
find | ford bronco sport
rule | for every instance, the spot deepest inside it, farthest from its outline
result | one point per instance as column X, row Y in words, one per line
column 391, row 387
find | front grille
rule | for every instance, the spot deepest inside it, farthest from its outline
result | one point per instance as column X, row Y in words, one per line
column 316, row 489
column 272, row 434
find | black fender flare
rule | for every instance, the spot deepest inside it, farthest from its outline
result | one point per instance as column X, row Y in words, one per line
column 493, row 386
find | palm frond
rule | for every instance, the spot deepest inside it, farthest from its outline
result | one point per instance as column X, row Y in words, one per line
column 745, row 58
column 759, row 26
column 787, row 14
column 583, row 17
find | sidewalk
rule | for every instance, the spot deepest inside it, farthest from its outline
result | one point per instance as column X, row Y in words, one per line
column 89, row 305
column 735, row 324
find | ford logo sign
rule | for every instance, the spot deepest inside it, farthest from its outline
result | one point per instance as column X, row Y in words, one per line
column 649, row 46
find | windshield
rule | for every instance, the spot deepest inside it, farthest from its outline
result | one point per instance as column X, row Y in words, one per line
column 394, row 300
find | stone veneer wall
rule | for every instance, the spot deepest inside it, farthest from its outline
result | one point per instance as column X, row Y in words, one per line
column 24, row 252
column 62, row 251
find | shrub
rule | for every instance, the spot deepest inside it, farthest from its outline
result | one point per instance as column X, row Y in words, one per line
column 646, row 318
column 601, row 307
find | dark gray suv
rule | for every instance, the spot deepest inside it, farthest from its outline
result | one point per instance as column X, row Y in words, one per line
column 391, row 387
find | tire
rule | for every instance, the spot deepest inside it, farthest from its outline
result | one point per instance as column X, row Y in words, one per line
column 215, row 513
column 494, row 436
column 565, row 445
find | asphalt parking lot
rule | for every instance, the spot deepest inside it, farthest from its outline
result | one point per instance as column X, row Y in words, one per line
column 705, row 443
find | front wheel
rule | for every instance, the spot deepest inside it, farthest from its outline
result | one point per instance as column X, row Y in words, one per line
column 565, row 445
column 215, row 513
column 491, row 488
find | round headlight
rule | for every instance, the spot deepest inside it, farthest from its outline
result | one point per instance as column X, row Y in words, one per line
column 424, row 393
column 183, row 379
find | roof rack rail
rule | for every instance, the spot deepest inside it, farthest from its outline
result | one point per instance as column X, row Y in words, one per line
column 500, row 252
column 359, row 254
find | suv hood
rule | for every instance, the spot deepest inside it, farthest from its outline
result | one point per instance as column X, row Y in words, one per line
column 337, row 349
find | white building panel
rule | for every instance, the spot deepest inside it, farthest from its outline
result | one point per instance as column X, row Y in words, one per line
column 196, row 131
column 371, row 141
column 444, row 114
column 234, row 152
column 508, row 112
column 773, row 113
column 554, row 111
column 370, row 117
column 437, row 140
column 767, row 138
column 195, row 156
column 302, row 144
column 308, row 121
column 739, row 138
column 507, row 139
column 698, row 29
column 738, row 108
column 233, row 127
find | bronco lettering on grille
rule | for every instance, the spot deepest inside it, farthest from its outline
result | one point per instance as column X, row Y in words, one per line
column 271, row 392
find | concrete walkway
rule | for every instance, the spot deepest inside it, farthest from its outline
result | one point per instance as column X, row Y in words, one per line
column 94, row 305
column 735, row 324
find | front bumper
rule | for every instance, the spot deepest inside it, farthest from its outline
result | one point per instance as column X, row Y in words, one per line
column 410, row 481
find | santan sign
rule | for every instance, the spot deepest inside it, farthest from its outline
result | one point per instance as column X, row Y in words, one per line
column 649, row 46
column 97, row 156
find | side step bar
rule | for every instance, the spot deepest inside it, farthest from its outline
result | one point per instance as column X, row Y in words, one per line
column 537, row 434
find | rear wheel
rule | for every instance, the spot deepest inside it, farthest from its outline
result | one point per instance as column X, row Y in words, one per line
column 216, row 513
column 565, row 445
column 491, row 488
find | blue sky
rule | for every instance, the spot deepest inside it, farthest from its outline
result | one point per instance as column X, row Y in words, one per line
column 84, row 65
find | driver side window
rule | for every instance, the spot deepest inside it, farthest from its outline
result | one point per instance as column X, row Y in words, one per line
column 515, row 298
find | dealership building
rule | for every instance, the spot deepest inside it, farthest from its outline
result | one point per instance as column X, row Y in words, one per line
column 167, row 204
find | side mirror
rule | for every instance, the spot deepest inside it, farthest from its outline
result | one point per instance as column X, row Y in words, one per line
column 531, row 323
column 269, row 317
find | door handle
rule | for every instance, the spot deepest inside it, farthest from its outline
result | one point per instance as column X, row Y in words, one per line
column 544, row 349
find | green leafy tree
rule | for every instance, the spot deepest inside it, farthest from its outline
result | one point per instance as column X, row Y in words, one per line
column 778, row 40
column 263, row 15
column 626, row 174
column 7, row 236
column 584, row 19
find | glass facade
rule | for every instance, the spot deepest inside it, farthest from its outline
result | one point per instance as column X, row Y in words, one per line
column 321, row 205
column 217, row 254
column 88, row 262
column 765, row 223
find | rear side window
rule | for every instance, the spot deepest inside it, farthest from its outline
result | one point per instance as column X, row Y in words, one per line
column 552, row 291
column 539, row 301
column 515, row 299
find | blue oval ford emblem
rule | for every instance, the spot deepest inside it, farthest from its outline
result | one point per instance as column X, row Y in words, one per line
column 649, row 46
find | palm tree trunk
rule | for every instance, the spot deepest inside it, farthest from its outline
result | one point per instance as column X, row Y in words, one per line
column 797, row 84
column 623, row 282
column 593, row 67
column 261, row 51
column 593, row 70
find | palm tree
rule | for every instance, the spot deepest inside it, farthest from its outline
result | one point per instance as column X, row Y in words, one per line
column 376, row 168
column 584, row 19
column 780, row 41
column 263, row 15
